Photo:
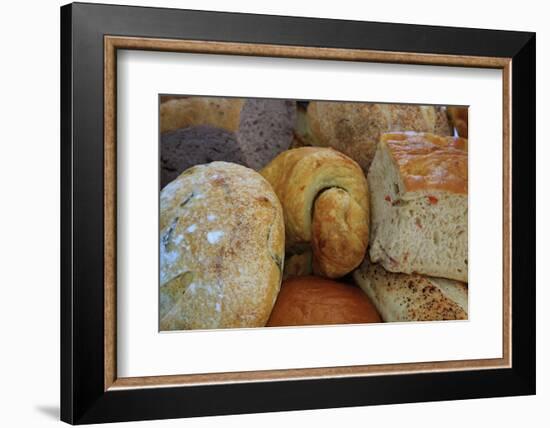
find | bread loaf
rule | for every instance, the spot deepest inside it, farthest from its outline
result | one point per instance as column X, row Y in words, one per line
column 222, row 113
column 221, row 248
column 402, row 297
column 317, row 301
column 324, row 195
column 250, row 131
column 196, row 145
column 355, row 128
column 419, row 205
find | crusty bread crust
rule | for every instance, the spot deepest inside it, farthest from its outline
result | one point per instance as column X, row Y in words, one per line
column 324, row 195
column 419, row 205
column 401, row 297
column 223, row 113
column 312, row 300
column 221, row 248
column 355, row 128
column 429, row 162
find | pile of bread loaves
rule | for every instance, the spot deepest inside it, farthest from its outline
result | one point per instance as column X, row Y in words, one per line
column 284, row 213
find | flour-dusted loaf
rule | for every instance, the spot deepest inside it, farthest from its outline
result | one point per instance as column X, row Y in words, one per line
column 310, row 300
column 403, row 297
column 419, row 205
column 221, row 248
column 324, row 195
column 354, row 128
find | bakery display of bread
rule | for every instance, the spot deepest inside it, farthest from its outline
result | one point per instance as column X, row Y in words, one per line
column 221, row 248
column 403, row 297
column 355, row 128
column 419, row 205
column 459, row 119
column 250, row 132
column 296, row 213
column 311, row 300
column 325, row 199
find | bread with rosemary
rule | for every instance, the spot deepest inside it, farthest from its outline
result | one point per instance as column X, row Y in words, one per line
column 221, row 248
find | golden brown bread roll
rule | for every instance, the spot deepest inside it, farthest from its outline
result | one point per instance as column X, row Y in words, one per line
column 221, row 248
column 311, row 300
column 184, row 112
column 324, row 195
column 355, row 128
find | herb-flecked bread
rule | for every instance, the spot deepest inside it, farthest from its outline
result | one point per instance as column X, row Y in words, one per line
column 402, row 297
column 221, row 248
column 419, row 205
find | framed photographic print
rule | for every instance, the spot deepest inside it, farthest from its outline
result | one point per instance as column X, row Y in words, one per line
column 265, row 213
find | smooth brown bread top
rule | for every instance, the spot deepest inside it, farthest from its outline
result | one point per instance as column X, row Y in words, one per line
column 429, row 162
column 310, row 300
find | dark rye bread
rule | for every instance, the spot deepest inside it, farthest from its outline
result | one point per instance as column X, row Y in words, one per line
column 266, row 129
column 186, row 147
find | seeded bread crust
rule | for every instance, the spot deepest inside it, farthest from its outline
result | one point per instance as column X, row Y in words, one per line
column 221, row 248
column 196, row 145
column 401, row 297
column 355, row 128
column 419, row 205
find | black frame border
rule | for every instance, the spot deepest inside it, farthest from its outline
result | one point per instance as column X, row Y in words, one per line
column 83, row 399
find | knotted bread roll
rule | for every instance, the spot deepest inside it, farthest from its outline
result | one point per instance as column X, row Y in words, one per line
column 324, row 195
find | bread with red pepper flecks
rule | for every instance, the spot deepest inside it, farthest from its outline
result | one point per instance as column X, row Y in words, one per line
column 419, row 205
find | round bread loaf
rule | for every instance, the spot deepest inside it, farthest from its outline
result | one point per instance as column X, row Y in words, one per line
column 311, row 300
column 250, row 132
column 266, row 129
column 221, row 248
column 355, row 128
column 195, row 145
